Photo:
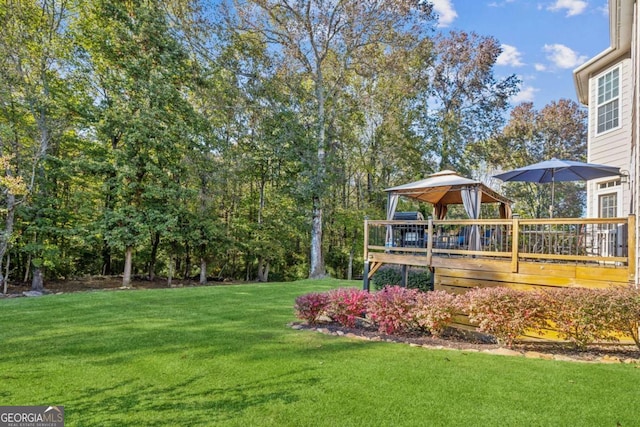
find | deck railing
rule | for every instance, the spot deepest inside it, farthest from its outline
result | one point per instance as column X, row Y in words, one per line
column 583, row 240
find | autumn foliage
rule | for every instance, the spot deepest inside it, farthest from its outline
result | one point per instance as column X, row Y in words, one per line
column 309, row 307
column 346, row 305
column 579, row 315
column 393, row 309
column 504, row 313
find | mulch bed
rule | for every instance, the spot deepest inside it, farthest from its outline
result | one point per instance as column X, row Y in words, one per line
column 104, row 283
column 455, row 339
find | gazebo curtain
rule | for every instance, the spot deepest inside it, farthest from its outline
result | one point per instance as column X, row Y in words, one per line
column 392, row 205
column 471, row 199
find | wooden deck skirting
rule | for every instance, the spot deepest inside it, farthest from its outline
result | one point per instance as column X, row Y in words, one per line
column 518, row 253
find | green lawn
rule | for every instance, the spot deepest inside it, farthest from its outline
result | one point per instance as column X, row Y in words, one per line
column 224, row 356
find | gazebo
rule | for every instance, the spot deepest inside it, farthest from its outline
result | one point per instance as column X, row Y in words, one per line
column 445, row 188
column 448, row 188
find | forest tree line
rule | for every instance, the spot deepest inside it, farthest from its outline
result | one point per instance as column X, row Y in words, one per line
column 243, row 139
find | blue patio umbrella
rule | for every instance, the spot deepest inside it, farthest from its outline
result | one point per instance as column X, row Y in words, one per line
column 558, row 170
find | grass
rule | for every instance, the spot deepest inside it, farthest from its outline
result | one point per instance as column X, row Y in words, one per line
column 224, row 356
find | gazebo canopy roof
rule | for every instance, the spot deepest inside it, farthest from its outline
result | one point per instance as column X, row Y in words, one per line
column 443, row 188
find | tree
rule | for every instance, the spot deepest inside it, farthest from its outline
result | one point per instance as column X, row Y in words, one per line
column 322, row 41
column 142, row 73
column 558, row 130
column 465, row 102
column 33, row 109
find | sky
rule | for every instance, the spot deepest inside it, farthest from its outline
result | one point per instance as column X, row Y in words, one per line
column 543, row 41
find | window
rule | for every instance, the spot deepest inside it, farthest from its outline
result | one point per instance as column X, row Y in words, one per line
column 608, row 205
column 609, row 101
column 609, row 184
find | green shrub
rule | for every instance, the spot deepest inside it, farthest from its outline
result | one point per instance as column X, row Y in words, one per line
column 419, row 278
column 391, row 275
column 388, row 275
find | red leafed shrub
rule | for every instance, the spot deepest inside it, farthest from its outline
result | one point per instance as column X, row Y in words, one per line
column 504, row 313
column 345, row 305
column 580, row 315
column 434, row 311
column 308, row 307
column 625, row 316
column 392, row 309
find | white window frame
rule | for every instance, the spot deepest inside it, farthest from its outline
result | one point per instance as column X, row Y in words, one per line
column 606, row 188
column 613, row 98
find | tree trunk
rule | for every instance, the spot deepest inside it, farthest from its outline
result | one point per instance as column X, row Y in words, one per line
column 263, row 270
column 37, row 283
column 317, row 264
column 126, row 276
column 178, row 265
column 5, row 278
column 187, row 263
column 172, row 258
column 6, row 235
column 154, row 256
column 317, row 269
column 350, row 268
column 106, row 259
column 27, row 270
column 203, row 271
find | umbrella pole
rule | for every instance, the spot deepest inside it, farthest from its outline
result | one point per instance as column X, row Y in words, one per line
column 553, row 184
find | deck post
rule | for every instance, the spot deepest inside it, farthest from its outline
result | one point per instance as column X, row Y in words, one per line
column 515, row 237
column 430, row 241
column 405, row 275
column 631, row 249
column 366, row 239
column 365, row 276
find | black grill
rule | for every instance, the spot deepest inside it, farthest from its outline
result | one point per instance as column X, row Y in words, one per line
column 408, row 216
column 409, row 235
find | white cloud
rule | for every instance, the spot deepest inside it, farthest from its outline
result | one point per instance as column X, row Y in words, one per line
column 526, row 94
column 500, row 4
column 540, row 67
column 445, row 11
column 510, row 56
column 573, row 7
column 563, row 57
column 604, row 9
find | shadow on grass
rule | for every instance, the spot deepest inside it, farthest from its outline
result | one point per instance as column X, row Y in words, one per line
column 182, row 403
column 191, row 357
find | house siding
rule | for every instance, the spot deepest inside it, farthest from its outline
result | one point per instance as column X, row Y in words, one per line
column 612, row 147
column 634, row 163
column 620, row 147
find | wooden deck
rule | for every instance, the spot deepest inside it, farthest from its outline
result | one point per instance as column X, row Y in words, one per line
column 518, row 253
